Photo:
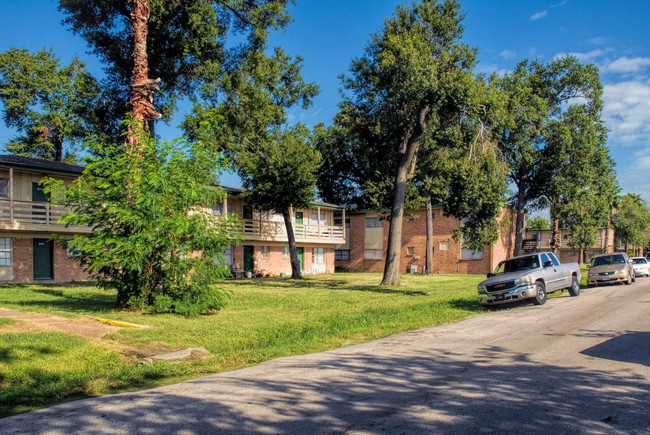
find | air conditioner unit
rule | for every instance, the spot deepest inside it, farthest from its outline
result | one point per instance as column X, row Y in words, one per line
column 411, row 269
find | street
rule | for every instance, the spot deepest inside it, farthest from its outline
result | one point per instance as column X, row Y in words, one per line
column 573, row 365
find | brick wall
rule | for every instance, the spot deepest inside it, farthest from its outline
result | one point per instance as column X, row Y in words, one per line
column 64, row 268
column 414, row 236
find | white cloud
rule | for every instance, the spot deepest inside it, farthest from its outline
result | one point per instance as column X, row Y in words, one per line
column 489, row 68
column 642, row 159
column 598, row 40
column 589, row 57
column 539, row 15
column 627, row 112
column 562, row 3
column 628, row 64
column 507, row 54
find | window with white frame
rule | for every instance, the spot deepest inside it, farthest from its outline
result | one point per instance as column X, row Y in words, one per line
column 374, row 222
column 444, row 246
column 264, row 215
column 5, row 251
column 71, row 252
column 374, row 254
column 410, row 250
column 4, row 188
column 285, row 252
column 217, row 209
column 319, row 255
column 265, row 251
column 227, row 257
column 469, row 254
column 342, row 254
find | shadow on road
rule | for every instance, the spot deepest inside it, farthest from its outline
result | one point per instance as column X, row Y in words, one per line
column 414, row 392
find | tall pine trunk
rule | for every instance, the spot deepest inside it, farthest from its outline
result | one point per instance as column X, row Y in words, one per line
column 407, row 151
column 293, row 252
column 141, row 87
column 429, row 242
column 520, row 220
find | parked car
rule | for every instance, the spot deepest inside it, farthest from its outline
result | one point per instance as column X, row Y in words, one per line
column 610, row 269
column 640, row 266
column 529, row 276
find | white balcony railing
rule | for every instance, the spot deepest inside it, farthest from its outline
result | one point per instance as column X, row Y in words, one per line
column 274, row 230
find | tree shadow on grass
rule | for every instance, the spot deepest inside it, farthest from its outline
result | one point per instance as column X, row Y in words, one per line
column 65, row 301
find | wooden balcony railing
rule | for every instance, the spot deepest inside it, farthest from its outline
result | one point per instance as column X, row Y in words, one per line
column 30, row 212
column 545, row 243
column 274, row 230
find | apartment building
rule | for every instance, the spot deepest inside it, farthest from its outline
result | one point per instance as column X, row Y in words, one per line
column 540, row 240
column 27, row 222
column 365, row 246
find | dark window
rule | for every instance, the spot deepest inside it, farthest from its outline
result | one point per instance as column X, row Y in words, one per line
column 4, row 188
column 342, row 254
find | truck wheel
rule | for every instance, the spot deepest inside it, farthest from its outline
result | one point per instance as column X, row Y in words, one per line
column 540, row 293
column 574, row 290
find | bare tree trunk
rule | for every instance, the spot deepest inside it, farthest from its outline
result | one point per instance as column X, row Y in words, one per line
column 555, row 234
column 429, row 242
column 293, row 252
column 582, row 254
column 407, row 151
column 520, row 222
column 142, row 88
column 608, row 227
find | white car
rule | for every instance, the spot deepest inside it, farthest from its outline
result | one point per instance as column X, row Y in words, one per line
column 641, row 266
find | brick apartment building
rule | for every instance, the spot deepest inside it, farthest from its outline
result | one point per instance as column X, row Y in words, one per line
column 364, row 248
column 27, row 221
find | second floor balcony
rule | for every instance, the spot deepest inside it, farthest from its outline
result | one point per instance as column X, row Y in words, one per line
column 35, row 216
column 270, row 230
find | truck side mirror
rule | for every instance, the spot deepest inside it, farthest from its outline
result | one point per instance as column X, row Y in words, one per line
column 548, row 264
column 490, row 275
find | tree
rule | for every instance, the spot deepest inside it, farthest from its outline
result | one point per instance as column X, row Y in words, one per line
column 631, row 221
column 46, row 103
column 189, row 44
column 412, row 73
column 537, row 223
column 156, row 246
column 536, row 94
column 278, row 164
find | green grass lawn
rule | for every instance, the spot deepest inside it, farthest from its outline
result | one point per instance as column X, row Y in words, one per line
column 266, row 318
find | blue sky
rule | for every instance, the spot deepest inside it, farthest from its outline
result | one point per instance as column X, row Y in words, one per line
column 329, row 33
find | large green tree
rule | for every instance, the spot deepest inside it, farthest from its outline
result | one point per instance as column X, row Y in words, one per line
column 148, row 225
column 414, row 72
column 534, row 95
column 277, row 163
column 632, row 221
column 189, row 43
column 46, row 103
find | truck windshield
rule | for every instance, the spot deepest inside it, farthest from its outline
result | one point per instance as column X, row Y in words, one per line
column 515, row 264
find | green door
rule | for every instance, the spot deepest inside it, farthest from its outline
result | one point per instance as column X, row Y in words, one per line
column 248, row 258
column 42, row 259
column 301, row 257
column 299, row 229
column 38, row 195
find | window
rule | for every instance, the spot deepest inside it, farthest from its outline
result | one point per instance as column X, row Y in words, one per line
column 217, row 209
column 227, row 257
column 410, row 250
column 374, row 254
column 342, row 254
column 285, row 252
column 264, row 215
column 444, row 246
column 468, row 254
column 266, row 251
column 319, row 255
column 544, row 259
column 4, row 188
column 314, row 218
column 5, row 251
column 374, row 222
column 71, row 252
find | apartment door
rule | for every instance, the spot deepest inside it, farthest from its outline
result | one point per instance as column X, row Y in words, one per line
column 299, row 229
column 301, row 257
column 249, row 263
column 38, row 195
column 247, row 215
column 42, row 259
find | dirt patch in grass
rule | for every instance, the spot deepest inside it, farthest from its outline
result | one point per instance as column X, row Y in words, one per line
column 85, row 327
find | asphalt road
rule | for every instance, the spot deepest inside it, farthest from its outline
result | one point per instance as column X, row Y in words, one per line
column 574, row 365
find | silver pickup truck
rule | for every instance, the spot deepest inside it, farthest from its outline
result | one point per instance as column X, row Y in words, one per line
column 529, row 276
